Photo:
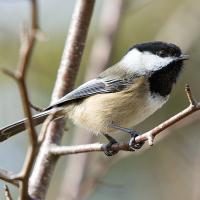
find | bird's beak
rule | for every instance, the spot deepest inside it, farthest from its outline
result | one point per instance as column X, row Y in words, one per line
column 183, row 57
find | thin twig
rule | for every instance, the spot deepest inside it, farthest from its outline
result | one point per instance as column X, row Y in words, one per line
column 184, row 113
column 27, row 111
column 9, row 177
column 7, row 193
column 45, row 127
column 149, row 135
column 8, row 73
column 190, row 97
column 28, row 42
column 36, row 108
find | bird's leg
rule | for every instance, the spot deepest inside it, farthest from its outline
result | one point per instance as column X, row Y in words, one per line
column 36, row 108
column 132, row 144
column 108, row 151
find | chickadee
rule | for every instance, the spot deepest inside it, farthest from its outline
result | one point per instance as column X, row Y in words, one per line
column 121, row 96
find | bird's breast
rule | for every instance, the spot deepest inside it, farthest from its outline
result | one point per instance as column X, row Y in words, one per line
column 126, row 108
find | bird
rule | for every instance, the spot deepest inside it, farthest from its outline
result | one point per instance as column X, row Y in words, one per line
column 120, row 97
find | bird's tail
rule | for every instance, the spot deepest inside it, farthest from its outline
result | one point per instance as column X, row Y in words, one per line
column 20, row 126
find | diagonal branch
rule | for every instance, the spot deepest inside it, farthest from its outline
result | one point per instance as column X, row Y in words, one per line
column 9, row 177
column 149, row 135
column 193, row 107
column 7, row 193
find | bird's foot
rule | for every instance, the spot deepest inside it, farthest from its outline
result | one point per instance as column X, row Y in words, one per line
column 133, row 145
column 108, row 147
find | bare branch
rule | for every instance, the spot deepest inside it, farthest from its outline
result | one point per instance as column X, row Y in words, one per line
column 45, row 127
column 184, row 113
column 28, row 42
column 8, row 73
column 191, row 99
column 34, row 15
column 73, row 50
column 7, row 193
column 9, row 177
column 27, row 45
column 36, row 108
column 27, row 112
column 149, row 135
column 85, row 148
column 68, row 69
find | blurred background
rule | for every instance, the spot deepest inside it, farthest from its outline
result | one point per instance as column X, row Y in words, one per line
column 169, row 169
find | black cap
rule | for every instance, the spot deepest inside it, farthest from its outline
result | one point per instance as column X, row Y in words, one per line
column 159, row 48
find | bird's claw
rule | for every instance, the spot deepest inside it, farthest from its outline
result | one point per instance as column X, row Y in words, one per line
column 133, row 145
column 108, row 148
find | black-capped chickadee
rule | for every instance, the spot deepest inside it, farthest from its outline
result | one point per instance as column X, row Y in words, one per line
column 124, row 94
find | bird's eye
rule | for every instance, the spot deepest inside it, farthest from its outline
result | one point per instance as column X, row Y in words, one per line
column 161, row 53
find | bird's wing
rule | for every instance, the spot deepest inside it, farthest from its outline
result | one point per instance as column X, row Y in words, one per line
column 95, row 86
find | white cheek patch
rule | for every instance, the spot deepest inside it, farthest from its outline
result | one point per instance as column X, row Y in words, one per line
column 153, row 62
column 143, row 62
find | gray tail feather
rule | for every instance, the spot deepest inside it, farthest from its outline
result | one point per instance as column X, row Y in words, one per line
column 20, row 126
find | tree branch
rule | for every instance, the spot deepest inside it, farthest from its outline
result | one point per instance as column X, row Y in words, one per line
column 149, row 135
column 9, row 177
column 7, row 193
column 27, row 44
column 67, row 72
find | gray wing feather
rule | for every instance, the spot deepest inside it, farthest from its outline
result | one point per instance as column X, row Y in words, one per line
column 95, row 86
